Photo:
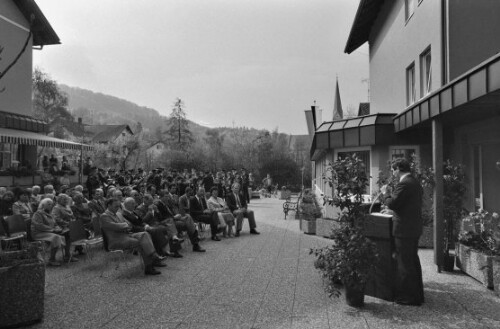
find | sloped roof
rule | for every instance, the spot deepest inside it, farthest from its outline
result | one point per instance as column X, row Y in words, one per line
column 43, row 33
column 363, row 21
column 107, row 133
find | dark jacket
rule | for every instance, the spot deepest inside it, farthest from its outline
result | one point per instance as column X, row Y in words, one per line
column 196, row 208
column 406, row 202
column 231, row 201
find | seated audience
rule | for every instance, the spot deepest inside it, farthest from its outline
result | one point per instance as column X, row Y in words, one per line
column 218, row 205
column 158, row 238
column 238, row 206
column 6, row 204
column 45, row 228
column 22, row 206
column 199, row 211
column 118, row 236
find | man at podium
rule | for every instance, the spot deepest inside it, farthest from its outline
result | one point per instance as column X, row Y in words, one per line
column 406, row 203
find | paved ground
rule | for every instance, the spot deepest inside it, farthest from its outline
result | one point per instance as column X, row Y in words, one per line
column 265, row 281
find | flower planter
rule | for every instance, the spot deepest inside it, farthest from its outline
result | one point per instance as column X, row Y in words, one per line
column 24, row 181
column 354, row 297
column 22, row 287
column 6, row 181
column 496, row 275
column 324, row 226
column 427, row 238
column 308, row 226
column 476, row 264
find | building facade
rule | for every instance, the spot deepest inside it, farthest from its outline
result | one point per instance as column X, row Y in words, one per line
column 436, row 66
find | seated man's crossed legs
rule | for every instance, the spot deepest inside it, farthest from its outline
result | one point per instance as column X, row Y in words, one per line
column 186, row 224
column 239, row 214
column 147, row 251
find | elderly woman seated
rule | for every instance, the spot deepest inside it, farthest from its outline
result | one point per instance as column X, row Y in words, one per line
column 63, row 214
column 22, row 206
column 226, row 218
column 81, row 211
column 45, row 228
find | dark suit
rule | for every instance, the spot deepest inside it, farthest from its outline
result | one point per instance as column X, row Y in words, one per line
column 240, row 211
column 157, row 235
column 197, row 208
column 182, row 222
column 116, row 230
column 184, row 206
column 406, row 202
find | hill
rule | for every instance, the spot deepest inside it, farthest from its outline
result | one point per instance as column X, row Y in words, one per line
column 98, row 108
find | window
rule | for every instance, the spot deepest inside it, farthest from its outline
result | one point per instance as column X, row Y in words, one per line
column 410, row 85
column 425, row 73
column 406, row 152
column 409, row 8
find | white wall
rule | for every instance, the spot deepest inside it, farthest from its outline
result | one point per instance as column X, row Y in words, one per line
column 17, row 82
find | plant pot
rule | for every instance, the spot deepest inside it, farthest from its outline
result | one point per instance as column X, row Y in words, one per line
column 308, row 226
column 496, row 275
column 449, row 263
column 427, row 238
column 475, row 264
column 22, row 287
column 324, row 226
column 354, row 296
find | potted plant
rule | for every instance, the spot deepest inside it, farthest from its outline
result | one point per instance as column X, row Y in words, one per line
column 478, row 250
column 453, row 199
column 351, row 258
column 310, row 209
column 22, row 286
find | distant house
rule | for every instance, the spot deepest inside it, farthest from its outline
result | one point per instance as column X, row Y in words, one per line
column 97, row 134
column 104, row 134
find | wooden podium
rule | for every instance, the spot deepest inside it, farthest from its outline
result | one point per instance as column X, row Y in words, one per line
column 378, row 228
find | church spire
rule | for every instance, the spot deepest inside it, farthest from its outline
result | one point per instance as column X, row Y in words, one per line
column 337, row 106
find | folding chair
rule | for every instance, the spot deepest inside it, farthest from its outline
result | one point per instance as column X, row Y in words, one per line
column 16, row 231
column 119, row 252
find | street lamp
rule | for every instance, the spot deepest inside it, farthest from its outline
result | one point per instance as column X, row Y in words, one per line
column 302, row 170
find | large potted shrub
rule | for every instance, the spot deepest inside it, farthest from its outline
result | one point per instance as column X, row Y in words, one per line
column 478, row 250
column 310, row 209
column 351, row 257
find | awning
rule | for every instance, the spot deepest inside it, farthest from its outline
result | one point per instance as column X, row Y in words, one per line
column 475, row 95
column 373, row 129
column 12, row 136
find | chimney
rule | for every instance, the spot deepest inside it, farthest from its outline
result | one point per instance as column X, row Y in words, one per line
column 79, row 121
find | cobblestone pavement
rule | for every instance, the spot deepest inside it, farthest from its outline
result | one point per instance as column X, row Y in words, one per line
column 264, row 281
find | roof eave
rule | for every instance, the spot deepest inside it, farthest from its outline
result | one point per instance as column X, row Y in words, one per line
column 43, row 33
column 363, row 22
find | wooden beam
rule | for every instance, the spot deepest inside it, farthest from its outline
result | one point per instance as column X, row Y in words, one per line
column 437, row 164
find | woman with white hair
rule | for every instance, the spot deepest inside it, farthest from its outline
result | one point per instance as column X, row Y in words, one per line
column 45, row 228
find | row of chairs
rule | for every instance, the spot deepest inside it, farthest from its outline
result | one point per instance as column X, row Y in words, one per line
column 13, row 230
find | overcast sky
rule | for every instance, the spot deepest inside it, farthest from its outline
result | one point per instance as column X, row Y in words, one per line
column 254, row 63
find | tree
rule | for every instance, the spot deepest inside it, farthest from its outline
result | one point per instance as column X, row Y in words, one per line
column 178, row 133
column 49, row 102
column 215, row 141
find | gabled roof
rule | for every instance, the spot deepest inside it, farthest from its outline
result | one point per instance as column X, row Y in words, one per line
column 107, row 133
column 363, row 21
column 43, row 33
